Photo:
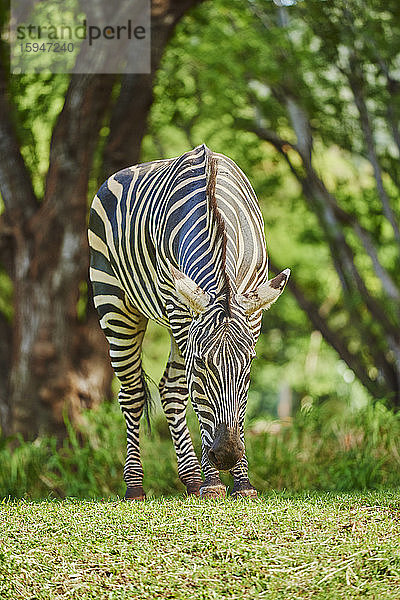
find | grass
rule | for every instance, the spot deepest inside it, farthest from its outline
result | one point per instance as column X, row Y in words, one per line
column 319, row 546
column 314, row 545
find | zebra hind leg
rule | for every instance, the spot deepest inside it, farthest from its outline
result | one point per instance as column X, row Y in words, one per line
column 174, row 399
column 132, row 400
column 124, row 328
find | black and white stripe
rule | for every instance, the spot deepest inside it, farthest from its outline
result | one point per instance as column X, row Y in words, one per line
column 181, row 241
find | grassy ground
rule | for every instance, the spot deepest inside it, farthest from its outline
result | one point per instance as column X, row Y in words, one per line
column 320, row 546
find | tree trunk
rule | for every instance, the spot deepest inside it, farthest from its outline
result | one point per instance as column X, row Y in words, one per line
column 5, row 344
column 53, row 351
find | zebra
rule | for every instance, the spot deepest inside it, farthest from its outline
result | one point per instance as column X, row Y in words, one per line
column 181, row 241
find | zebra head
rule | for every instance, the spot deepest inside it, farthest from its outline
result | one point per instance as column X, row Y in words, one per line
column 218, row 358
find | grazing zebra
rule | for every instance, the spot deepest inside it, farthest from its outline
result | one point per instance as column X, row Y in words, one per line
column 181, row 241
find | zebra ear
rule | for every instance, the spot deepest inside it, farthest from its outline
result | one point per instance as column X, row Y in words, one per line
column 188, row 291
column 264, row 295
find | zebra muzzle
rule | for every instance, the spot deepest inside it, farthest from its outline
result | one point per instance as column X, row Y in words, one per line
column 227, row 448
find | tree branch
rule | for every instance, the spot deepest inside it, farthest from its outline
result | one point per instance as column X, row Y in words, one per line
column 323, row 203
column 363, row 235
column 342, row 254
column 355, row 79
column 393, row 88
column 130, row 113
column 15, row 182
column 273, row 138
column 334, row 339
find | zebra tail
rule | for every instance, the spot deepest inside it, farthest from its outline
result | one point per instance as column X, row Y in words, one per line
column 148, row 399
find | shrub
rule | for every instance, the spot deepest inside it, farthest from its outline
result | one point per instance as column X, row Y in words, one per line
column 322, row 449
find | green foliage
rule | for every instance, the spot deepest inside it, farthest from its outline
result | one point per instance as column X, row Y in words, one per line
column 230, row 67
column 6, row 293
column 320, row 546
column 37, row 100
column 331, row 447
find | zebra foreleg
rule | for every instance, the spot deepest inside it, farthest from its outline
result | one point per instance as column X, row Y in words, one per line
column 212, row 486
column 242, row 487
column 174, row 400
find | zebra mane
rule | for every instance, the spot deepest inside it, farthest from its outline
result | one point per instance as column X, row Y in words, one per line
column 218, row 222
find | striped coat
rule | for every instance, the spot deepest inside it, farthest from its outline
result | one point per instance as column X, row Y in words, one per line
column 181, row 241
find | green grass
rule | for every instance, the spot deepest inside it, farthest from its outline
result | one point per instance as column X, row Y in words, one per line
column 329, row 545
column 319, row 546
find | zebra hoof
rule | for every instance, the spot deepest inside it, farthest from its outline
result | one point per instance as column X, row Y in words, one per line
column 135, row 493
column 193, row 488
column 247, row 493
column 213, row 491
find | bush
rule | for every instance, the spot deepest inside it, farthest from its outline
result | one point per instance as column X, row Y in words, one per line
column 327, row 448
